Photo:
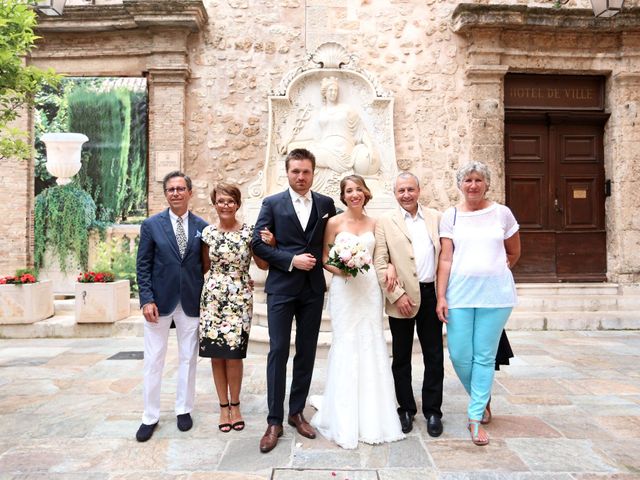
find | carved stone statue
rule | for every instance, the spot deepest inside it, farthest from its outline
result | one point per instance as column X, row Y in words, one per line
column 343, row 115
column 343, row 144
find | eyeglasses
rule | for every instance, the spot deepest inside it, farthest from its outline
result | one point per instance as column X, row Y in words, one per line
column 226, row 203
column 175, row 190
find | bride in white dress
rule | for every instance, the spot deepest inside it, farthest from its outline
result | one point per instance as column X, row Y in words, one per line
column 359, row 402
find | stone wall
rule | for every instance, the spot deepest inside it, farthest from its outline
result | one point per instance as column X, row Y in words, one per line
column 210, row 75
column 16, row 182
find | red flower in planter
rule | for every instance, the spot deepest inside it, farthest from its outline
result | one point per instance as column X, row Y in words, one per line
column 96, row 277
column 18, row 279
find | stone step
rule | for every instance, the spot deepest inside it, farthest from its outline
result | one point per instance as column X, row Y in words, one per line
column 65, row 326
column 260, row 317
column 572, row 320
column 581, row 289
column 259, row 342
column 577, row 303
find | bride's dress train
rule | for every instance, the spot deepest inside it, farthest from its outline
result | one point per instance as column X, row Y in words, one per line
column 359, row 401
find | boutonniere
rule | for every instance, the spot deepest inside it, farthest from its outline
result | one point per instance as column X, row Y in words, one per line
column 198, row 234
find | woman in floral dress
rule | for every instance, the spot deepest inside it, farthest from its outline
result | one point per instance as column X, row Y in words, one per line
column 226, row 304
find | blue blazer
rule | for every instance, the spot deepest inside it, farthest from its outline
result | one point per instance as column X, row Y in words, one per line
column 279, row 216
column 164, row 277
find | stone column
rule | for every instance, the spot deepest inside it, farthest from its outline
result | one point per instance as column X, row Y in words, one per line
column 486, row 122
column 167, row 92
column 622, row 141
column 16, row 210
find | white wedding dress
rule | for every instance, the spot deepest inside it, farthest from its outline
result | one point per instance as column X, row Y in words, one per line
column 359, row 401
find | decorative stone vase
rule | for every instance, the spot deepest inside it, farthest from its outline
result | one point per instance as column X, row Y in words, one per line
column 63, row 154
column 26, row 303
column 102, row 302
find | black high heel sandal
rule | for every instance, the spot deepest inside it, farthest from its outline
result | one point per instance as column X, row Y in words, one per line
column 225, row 427
column 239, row 425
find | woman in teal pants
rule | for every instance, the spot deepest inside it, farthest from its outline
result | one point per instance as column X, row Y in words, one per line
column 475, row 287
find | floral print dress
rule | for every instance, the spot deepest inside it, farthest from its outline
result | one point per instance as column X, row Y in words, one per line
column 226, row 303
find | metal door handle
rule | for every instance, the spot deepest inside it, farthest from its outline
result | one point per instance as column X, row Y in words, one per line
column 556, row 205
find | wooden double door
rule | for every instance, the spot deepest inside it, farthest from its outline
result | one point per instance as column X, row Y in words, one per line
column 555, row 186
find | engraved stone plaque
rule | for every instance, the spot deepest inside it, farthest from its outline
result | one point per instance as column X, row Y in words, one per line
column 166, row 161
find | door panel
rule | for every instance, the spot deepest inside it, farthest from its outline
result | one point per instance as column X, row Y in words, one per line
column 580, row 199
column 527, row 194
column 555, row 187
column 581, row 256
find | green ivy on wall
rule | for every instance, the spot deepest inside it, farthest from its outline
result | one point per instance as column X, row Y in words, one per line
column 64, row 216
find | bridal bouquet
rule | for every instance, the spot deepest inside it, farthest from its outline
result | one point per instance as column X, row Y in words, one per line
column 350, row 256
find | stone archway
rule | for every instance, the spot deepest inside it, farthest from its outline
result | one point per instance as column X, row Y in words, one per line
column 136, row 38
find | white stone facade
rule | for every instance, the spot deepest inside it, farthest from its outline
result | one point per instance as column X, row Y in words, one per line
column 212, row 64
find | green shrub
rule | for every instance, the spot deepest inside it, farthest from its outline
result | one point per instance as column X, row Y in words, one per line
column 64, row 216
column 114, row 256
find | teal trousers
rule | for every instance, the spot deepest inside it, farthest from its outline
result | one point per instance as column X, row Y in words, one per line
column 473, row 335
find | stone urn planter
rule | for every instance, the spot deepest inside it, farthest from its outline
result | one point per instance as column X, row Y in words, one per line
column 64, row 154
column 102, row 302
column 26, row 303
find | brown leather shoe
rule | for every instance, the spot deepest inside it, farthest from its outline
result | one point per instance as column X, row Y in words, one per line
column 302, row 426
column 270, row 438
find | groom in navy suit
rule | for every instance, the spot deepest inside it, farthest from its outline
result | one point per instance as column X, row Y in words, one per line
column 295, row 287
column 170, row 277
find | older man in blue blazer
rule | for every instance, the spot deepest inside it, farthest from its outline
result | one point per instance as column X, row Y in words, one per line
column 295, row 287
column 170, row 278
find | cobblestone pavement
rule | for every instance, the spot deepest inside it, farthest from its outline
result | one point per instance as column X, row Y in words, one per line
column 567, row 408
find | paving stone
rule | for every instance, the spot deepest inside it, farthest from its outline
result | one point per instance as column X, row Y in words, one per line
column 567, row 409
column 504, row 476
column 510, row 426
column 315, row 474
column 408, row 474
column 552, row 455
column 464, row 456
column 409, row 453
column 188, row 455
column 243, row 455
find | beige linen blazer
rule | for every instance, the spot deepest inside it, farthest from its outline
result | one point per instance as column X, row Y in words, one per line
column 393, row 245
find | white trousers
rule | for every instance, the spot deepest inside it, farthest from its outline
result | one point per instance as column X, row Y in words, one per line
column 156, row 336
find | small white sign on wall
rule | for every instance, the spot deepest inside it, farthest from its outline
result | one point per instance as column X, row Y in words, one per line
column 166, row 161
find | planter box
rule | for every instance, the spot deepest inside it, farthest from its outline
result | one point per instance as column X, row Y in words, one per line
column 26, row 303
column 102, row 302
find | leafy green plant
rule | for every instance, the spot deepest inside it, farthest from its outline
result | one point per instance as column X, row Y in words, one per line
column 64, row 216
column 115, row 256
column 18, row 82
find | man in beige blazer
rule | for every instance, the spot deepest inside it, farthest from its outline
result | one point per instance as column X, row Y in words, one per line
column 408, row 239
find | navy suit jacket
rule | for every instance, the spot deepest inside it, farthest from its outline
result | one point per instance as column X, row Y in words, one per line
column 164, row 277
column 278, row 215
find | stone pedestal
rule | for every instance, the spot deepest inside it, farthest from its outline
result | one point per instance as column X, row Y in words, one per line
column 26, row 303
column 102, row 302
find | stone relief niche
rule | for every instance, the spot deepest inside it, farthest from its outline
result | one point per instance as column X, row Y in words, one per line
column 340, row 113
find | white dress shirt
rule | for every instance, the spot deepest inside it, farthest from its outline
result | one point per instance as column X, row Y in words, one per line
column 423, row 249
column 302, row 205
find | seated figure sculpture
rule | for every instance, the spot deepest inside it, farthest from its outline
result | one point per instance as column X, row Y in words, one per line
column 342, row 144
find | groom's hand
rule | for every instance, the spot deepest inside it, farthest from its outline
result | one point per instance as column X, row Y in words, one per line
column 304, row 261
